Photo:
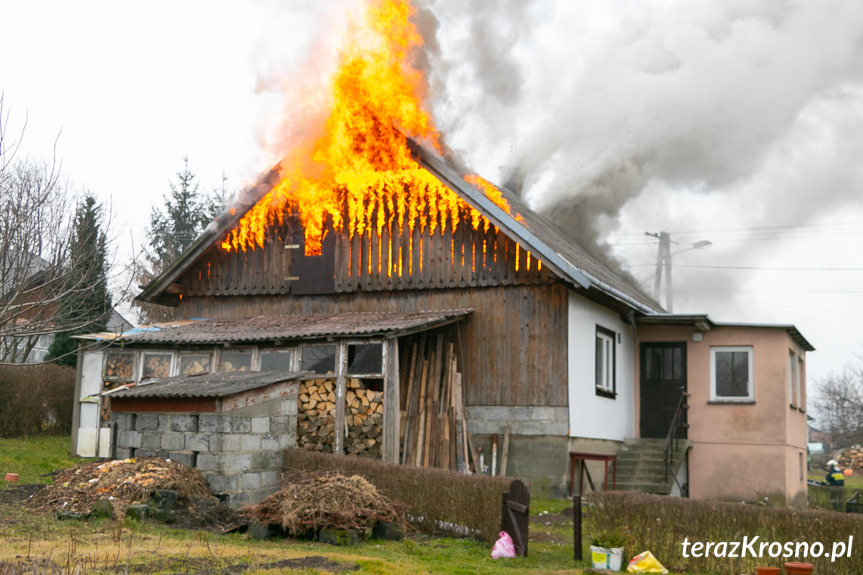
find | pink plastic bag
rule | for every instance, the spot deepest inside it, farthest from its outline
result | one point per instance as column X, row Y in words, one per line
column 503, row 547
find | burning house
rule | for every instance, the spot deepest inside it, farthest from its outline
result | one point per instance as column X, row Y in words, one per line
column 421, row 314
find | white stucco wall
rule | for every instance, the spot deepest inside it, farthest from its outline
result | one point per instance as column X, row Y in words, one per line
column 590, row 415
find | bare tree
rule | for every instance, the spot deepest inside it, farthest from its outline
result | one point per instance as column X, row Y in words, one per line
column 839, row 405
column 37, row 274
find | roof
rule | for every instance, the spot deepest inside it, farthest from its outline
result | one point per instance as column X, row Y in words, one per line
column 703, row 323
column 272, row 328
column 534, row 232
column 216, row 384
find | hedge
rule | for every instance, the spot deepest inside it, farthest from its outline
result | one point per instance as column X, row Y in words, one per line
column 436, row 500
column 36, row 400
column 660, row 524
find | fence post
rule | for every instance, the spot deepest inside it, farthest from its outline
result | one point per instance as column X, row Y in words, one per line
column 576, row 528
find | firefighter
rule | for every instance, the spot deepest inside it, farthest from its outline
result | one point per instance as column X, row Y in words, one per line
column 835, row 477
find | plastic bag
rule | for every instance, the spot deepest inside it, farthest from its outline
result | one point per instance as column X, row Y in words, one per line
column 645, row 563
column 503, row 547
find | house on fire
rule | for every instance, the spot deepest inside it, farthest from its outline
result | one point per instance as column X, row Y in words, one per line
column 395, row 340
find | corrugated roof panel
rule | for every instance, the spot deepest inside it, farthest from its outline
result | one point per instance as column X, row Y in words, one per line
column 216, row 384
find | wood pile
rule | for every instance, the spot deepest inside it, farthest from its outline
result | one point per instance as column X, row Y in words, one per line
column 433, row 412
column 852, row 458
column 364, row 411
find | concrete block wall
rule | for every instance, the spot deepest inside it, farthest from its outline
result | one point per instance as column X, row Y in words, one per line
column 239, row 452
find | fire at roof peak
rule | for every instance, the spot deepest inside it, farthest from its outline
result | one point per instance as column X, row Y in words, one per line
column 359, row 175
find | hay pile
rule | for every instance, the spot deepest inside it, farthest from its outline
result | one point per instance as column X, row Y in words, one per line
column 310, row 501
column 124, row 482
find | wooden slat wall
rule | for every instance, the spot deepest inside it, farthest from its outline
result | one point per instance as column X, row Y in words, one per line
column 514, row 344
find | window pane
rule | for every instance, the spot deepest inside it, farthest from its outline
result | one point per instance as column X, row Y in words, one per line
column 155, row 365
column 194, row 363
column 319, row 359
column 276, row 360
column 732, row 374
column 119, row 366
column 365, row 358
column 236, row 361
column 600, row 368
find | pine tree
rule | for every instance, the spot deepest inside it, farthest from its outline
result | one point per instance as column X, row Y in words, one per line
column 86, row 303
column 173, row 227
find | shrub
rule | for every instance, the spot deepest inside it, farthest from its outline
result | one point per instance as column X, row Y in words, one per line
column 660, row 524
column 436, row 500
column 36, row 400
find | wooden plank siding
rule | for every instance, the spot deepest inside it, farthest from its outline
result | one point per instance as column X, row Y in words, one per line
column 514, row 345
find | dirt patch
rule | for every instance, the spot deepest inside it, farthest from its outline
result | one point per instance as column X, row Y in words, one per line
column 19, row 493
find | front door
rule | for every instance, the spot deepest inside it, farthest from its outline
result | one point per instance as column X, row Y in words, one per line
column 663, row 380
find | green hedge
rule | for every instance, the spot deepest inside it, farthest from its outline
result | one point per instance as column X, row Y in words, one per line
column 660, row 524
column 435, row 499
column 36, row 400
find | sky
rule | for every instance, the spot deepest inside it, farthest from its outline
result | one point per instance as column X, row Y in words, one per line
column 734, row 122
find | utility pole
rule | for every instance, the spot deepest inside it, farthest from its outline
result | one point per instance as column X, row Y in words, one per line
column 663, row 257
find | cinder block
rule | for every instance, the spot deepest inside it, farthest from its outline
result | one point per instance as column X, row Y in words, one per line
column 122, row 453
column 208, row 423
column 151, row 440
column 187, row 458
column 147, row 422
column 124, row 421
column 250, row 481
column 231, row 442
column 173, row 441
column 270, row 479
column 184, row 423
column 237, row 462
column 269, row 442
column 129, row 439
column 287, row 441
column 206, row 442
column 209, row 462
column 221, row 483
column 260, row 425
column 289, row 406
column 241, row 424
column 250, row 442
column 146, row 453
column 266, row 460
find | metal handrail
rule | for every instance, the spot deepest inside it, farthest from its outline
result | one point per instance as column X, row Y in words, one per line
column 674, row 432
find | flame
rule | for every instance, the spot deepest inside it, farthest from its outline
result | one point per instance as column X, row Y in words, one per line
column 359, row 174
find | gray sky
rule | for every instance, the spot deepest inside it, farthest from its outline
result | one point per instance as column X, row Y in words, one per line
column 734, row 122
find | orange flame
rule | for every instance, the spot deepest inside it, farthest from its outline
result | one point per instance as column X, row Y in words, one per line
column 360, row 173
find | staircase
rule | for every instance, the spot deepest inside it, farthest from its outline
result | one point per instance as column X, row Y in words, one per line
column 641, row 465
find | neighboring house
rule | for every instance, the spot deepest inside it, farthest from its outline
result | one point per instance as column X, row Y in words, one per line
column 536, row 340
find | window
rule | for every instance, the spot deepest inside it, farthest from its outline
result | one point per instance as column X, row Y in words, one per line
column 191, row 363
column 605, row 362
column 365, row 358
column 119, row 366
column 156, row 365
column 731, row 374
column 793, row 380
column 319, row 359
column 235, row 361
column 277, row 360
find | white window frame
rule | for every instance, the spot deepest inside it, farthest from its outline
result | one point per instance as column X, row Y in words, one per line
column 187, row 353
column 293, row 351
column 142, row 360
column 218, row 359
column 750, row 387
column 608, row 386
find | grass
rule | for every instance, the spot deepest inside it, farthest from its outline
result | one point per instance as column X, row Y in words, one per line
column 33, row 459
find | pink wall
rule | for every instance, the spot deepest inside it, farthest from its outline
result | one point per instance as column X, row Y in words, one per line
column 749, row 450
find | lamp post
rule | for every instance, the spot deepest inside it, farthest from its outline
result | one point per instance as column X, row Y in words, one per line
column 663, row 256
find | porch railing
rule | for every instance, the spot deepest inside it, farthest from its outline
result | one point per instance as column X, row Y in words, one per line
column 676, row 432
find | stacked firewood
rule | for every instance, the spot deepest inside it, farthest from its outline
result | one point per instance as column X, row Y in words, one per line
column 433, row 423
column 316, row 416
column 852, row 458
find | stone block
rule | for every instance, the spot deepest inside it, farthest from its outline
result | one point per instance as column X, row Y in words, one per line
column 283, row 424
column 129, row 438
column 184, row 423
column 221, row 483
column 289, row 407
column 173, row 441
column 288, row 441
column 266, row 460
column 123, row 453
column 271, row 479
column 203, row 442
column 250, row 481
column 146, row 422
column 236, row 462
column 241, row 424
column 208, row 423
column 124, row 421
column 165, row 422
column 260, row 425
column 187, row 458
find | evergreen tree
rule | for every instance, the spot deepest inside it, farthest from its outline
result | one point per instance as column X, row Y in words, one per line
column 86, row 303
column 173, row 227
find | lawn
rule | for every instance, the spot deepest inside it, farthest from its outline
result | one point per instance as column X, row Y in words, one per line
column 33, row 459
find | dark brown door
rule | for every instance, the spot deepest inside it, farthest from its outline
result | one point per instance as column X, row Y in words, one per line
column 663, row 379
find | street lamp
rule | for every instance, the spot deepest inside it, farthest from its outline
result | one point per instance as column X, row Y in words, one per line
column 664, row 256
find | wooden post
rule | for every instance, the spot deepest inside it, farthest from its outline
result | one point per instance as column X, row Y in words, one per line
column 576, row 527
column 392, row 402
column 341, row 390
